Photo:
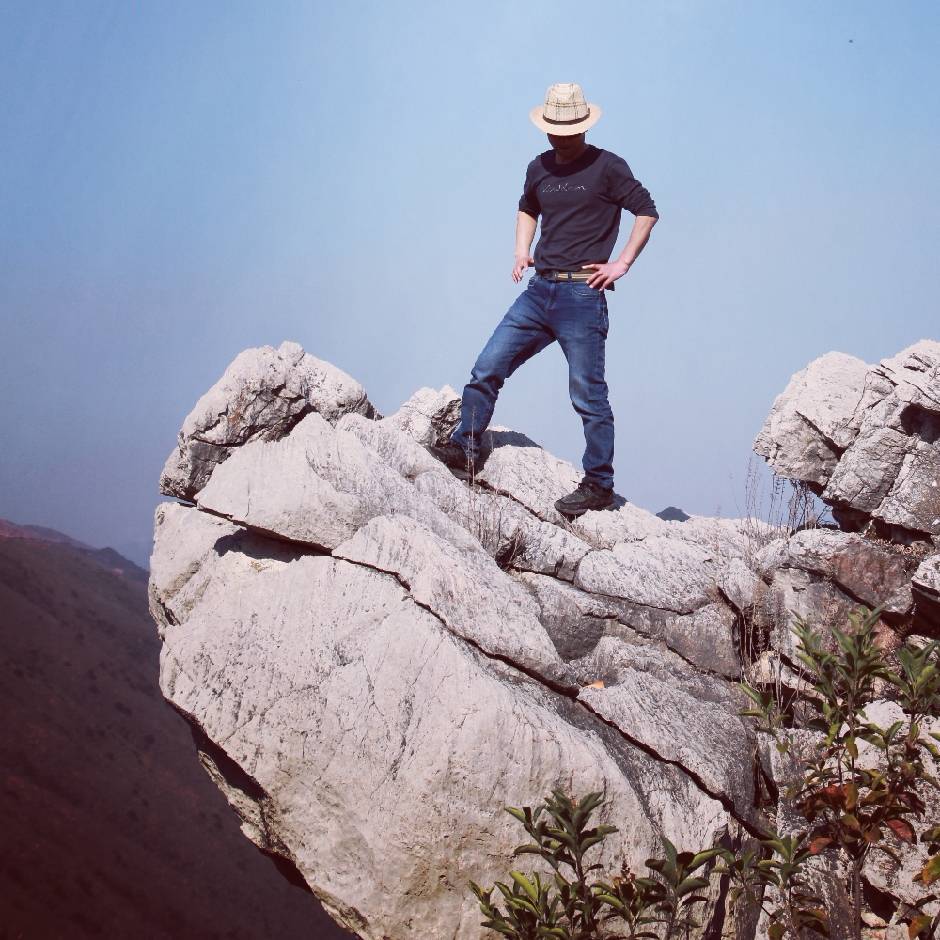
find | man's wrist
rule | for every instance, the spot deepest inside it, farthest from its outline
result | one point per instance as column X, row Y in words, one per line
column 624, row 262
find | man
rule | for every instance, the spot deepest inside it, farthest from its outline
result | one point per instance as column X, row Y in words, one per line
column 579, row 191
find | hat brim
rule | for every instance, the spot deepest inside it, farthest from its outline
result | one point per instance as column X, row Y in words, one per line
column 565, row 130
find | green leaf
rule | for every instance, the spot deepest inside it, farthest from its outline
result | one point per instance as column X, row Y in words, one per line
column 691, row 884
column 516, row 813
column 701, row 858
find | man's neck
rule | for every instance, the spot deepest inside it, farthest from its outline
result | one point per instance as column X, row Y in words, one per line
column 559, row 159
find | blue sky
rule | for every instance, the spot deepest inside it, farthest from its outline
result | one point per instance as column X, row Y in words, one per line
column 183, row 180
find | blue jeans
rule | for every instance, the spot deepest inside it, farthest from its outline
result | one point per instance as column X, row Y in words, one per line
column 575, row 315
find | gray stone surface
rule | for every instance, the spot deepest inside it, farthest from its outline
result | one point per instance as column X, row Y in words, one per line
column 662, row 703
column 463, row 587
column 374, row 746
column 261, row 396
column 795, row 594
column 504, row 527
column 874, row 574
column 866, row 438
column 668, row 574
column 811, row 422
column 317, row 486
column 429, row 416
column 739, row 584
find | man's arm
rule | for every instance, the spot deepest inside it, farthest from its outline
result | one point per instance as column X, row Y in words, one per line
column 605, row 274
column 525, row 232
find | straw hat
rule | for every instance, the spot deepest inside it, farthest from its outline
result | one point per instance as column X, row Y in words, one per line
column 565, row 112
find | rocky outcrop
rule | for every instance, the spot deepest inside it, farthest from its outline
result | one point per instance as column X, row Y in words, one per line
column 865, row 439
column 381, row 656
column 261, row 396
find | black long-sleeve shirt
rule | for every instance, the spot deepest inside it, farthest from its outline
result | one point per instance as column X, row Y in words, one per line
column 580, row 204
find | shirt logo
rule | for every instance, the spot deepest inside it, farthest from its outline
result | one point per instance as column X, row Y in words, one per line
column 562, row 188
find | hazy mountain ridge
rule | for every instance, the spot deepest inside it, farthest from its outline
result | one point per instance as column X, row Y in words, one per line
column 108, row 557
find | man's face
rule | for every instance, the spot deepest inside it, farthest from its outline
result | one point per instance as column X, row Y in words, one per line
column 566, row 146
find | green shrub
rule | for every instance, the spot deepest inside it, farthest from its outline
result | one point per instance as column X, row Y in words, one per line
column 852, row 807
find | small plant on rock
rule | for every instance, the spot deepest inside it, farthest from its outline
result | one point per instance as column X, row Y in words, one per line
column 571, row 905
column 566, row 907
column 854, row 802
column 858, row 792
column 671, row 893
column 779, row 865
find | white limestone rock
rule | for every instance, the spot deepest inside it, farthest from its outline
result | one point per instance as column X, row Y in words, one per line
column 811, row 422
column 707, row 638
column 317, row 486
column 394, row 447
column 573, row 619
column 367, row 713
column 873, row 573
column 623, row 523
column 464, row 588
column 261, row 396
column 576, row 620
column 895, row 877
column 662, row 703
column 795, row 594
column 429, row 416
column 534, row 477
column 180, row 571
column 771, row 556
column 505, row 528
column 660, row 572
column 867, row 443
column 370, row 747
column 739, row 584
column 926, row 591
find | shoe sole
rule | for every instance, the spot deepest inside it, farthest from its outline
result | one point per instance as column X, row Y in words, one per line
column 575, row 514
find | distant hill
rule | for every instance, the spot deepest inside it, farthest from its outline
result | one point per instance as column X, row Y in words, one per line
column 10, row 530
column 110, row 827
column 106, row 557
column 673, row 514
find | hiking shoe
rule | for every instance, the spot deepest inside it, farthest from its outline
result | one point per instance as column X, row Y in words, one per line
column 452, row 455
column 587, row 496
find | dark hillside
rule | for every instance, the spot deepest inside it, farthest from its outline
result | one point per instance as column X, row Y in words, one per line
column 110, row 826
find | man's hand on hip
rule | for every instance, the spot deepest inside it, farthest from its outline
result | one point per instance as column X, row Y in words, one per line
column 518, row 269
column 606, row 274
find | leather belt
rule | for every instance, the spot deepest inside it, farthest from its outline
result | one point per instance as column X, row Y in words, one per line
column 570, row 276
column 566, row 275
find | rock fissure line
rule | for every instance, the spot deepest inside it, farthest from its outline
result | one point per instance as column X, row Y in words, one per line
column 572, row 696
column 626, row 600
column 492, row 488
column 830, row 443
column 320, row 550
column 310, row 548
column 255, row 429
column 663, row 644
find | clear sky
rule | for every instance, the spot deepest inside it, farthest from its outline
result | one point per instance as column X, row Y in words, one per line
column 183, row 180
